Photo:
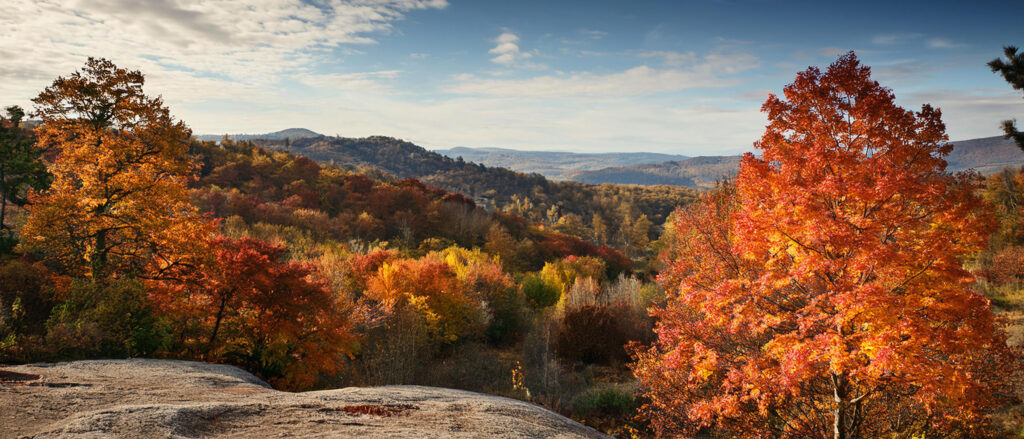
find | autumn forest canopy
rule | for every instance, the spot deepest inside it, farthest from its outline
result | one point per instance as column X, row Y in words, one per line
column 843, row 285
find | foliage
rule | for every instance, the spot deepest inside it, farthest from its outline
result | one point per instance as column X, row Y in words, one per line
column 592, row 335
column 564, row 273
column 249, row 308
column 495, row 187
column 118, row 203
column 239, row 179
column 606, row 401
column 430, row 287
column 105, row 320
column 539, row 292
column 46, row 318
column 21, row 169
column 27, row 295
column 1012, row 70
column 828, row 298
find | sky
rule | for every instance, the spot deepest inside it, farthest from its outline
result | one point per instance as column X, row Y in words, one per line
column 682, row 77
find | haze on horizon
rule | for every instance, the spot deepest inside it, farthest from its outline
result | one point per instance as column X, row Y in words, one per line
column 595, row 76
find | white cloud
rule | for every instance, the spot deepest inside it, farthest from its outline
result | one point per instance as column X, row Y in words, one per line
column 507, row 51
column 969, row 114
column 352, row 81
column 536, row 122
column 711, row 71
column 187, row 48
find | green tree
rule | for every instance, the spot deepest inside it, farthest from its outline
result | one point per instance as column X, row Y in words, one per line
column 20, row 170
column 1012, row 70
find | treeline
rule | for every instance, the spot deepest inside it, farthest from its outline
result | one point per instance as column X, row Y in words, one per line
column 260, row 186
column 603, row 214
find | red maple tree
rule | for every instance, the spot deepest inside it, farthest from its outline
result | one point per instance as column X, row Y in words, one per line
column 826, row 297
column 247, row 306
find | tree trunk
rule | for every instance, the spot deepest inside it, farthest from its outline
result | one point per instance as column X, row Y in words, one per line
column 3, row 207
column 3, row 213
column 845, row 415
column 839, row 421
column 216, row 325
column 98, row 259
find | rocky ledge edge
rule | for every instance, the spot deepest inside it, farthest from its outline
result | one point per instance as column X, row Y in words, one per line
column 146, row 398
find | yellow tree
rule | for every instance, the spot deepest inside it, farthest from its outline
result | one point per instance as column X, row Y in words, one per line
column 119, row 202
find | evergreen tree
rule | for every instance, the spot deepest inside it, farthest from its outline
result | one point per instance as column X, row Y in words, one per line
column 1012, row 70
column 21, row 169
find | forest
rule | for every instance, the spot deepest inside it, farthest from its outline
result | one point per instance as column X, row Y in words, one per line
column 844, row 285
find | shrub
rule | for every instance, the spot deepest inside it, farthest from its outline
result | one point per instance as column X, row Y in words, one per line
column 605, row 402
column 591, row 335
column 112, row 320
column 540, row 293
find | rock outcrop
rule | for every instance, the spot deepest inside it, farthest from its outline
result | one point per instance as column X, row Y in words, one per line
column 179, row 399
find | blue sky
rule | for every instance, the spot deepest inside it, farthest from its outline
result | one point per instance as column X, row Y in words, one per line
column 683, row 77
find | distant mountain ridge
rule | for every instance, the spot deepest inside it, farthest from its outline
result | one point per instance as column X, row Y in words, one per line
column 696, row 172
column 290, row 133
column 557, row 165
column 515, row 170
column 533, row 195
column 986, row 155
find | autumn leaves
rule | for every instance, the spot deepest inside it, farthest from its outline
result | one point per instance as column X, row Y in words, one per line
column 118, row 204
column 824, row 294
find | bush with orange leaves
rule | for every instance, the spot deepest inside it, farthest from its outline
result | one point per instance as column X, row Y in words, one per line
column 249, row 307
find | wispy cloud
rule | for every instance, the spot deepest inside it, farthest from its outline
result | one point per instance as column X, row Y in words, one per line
column 228, row 45
column 942, row 43
column 832, row 51
column 712, row 71
column 969, row 113
column 894, row 38
column 670, row 58
column 352, row 81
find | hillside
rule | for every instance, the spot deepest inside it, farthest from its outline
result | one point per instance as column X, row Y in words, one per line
column 696, row 172
column 164, row 398
column 986, row 155
column 531, row 194
column 290, row 133
column 556, row 165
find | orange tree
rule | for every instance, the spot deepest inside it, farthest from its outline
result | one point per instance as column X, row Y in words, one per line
column 827, row 297
column 118, row 203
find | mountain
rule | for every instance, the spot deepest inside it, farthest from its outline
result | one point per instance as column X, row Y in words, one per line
column 556, row 165
column 532, row 195
column 696, row 172
column 290, row 133
column 986, row 155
